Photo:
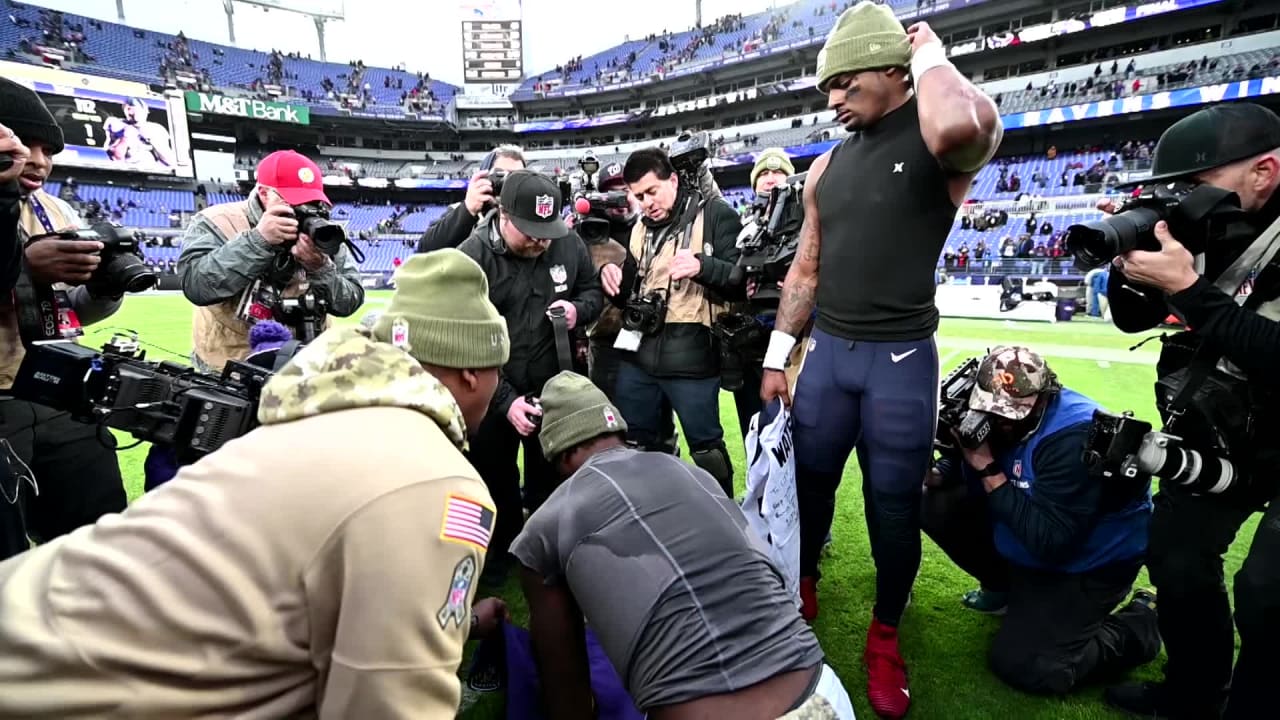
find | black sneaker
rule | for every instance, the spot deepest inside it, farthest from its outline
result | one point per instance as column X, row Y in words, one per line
column 1146, row 699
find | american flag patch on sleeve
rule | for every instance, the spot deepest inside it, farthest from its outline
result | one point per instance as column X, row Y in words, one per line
column 467, row 521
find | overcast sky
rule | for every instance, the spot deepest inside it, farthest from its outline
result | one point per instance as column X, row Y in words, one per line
column 421, row 34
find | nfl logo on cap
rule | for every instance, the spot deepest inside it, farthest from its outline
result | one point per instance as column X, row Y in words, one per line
column 544, row 206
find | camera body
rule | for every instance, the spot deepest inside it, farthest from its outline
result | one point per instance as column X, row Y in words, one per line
column 122, row 268
column 957, row 422
column 688, row 152
column 1114, row 440
column 160, row 402
column 313, row 221
column 1125, row 448
column 767, row 255
column 742, row 339
column 1193, row 212
column 646, row 314
column 304, row 314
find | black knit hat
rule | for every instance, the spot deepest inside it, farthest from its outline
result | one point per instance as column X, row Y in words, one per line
column 23, row 112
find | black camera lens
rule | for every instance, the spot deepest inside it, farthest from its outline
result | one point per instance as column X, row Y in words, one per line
column 126, row 271
column 326, row 236
column 1099, row 242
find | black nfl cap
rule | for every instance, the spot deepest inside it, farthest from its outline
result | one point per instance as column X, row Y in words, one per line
column 1213, row 137
column 532, row 201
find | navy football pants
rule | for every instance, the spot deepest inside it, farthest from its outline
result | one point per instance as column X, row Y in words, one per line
column 880, row 398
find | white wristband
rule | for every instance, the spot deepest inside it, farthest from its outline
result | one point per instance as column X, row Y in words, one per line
column 780, row 344
column 927, row 57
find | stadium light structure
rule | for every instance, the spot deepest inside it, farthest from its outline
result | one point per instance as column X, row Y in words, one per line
column 320, row 11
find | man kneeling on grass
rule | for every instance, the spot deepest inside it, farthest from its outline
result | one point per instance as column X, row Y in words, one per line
column 1055, row 547
column 683, row 597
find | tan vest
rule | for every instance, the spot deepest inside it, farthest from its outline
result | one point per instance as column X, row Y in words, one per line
column 218, row 333
column 610, row 321
column 689, row 303
column 11, row 349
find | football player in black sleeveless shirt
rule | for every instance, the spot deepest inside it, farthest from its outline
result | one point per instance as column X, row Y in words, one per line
column 878, row 208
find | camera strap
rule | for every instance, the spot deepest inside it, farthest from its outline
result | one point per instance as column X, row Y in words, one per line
column 564, row 350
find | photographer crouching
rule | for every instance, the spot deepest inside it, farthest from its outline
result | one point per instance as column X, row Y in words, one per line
column 678, row 271
column 69, row 278
column 1056, row 549
column 273, row 256
column 1200, row 241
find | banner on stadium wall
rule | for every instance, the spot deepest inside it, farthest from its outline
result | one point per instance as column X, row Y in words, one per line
column 248, row 108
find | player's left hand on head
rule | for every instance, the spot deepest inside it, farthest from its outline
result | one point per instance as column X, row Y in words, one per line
column 305, row 252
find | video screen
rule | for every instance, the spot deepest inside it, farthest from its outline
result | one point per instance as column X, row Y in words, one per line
column 116, row 132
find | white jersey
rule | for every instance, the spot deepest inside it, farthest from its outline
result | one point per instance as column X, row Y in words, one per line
column 770, row 505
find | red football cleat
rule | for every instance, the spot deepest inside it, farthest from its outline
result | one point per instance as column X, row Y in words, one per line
column 886, row 672
column 809, row 598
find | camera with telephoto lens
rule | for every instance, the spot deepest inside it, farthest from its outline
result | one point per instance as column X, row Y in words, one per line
column 1194, row 212
column 161, row 402
column 688, row 152
column 646, row 314
column 767, row 255
column 313, row 221
column 957, row 422
column 1122, row 446
column 742, row 339
column 122, row 269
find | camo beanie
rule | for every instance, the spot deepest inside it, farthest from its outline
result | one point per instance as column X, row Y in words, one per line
column 867, row 36
column 441, row 314
column 773, row 158
column 573, row 411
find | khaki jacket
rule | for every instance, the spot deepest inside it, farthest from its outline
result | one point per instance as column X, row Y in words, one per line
column 323, row 565
column 688, row 303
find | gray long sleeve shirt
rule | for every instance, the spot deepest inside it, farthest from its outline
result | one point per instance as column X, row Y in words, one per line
column 213, row 269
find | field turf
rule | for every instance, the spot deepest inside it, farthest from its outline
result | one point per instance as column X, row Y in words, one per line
column 944, row 644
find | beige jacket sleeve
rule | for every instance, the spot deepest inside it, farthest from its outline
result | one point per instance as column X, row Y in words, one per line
column 403, row 592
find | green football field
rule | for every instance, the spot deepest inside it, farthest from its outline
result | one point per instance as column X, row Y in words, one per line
column 944, row 644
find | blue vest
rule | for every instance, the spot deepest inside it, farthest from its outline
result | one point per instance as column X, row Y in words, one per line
column 1116, row 536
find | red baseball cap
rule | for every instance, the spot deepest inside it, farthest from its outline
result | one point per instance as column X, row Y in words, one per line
column 294, row 176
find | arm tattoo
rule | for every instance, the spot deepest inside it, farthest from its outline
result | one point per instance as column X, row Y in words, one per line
column 800, row 288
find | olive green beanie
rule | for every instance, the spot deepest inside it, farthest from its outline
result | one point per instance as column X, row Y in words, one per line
column 774, row 158
column 867, row 36
column 574, row 411
column 441, row 314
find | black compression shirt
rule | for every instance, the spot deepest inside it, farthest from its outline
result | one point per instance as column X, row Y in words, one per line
column 885, row 210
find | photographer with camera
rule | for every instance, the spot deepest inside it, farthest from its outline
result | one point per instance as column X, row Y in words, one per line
column 60, row 289
column 677, row 275
column 605, row 224
column 543, row 283
column 772, row 168
column 1055, row 548
column 1200, row 241
column 457, row 224
column 878, row 208
column 273, row 256
column 283, row 575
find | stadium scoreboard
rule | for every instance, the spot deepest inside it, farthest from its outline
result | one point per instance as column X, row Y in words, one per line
column 492, row 51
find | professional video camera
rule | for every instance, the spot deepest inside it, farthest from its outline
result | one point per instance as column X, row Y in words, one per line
column 591, row 213
column 1194, row 212
column 1126, row 447
column 688, row 152
column 122, row 269
column 646, row 315
column 957, row 422
column 161, row 402
column 767, row 255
